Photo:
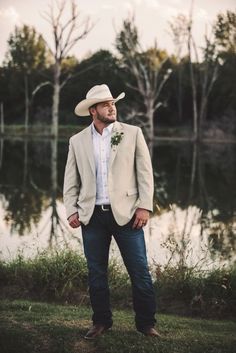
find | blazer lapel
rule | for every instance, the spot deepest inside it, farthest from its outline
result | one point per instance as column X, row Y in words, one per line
column 116, row 128
column 88, row 142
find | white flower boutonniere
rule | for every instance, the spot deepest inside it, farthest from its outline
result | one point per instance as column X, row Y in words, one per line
column 116, row 138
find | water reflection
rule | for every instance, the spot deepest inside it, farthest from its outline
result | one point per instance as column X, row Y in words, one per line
column 195, row 196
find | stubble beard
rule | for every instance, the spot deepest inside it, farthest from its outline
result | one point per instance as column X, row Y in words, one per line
column 106, row 120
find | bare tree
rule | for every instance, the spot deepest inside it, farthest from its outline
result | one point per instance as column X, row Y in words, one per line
column 190, row 44
column 202, row 75
column 66, row 35
column 181, row 30
column 146, row 71
column 179, row 33
column 209, row 70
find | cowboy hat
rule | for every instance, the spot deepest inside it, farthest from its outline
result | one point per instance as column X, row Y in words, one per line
column 97, row 94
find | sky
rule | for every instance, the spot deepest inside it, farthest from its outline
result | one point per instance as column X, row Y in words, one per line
column 151, row 17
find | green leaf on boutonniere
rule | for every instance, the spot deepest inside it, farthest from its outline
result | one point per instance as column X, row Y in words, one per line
column 116, row 138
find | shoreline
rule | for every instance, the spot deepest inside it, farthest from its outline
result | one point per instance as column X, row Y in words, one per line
column 158, row 138
column 163, row 134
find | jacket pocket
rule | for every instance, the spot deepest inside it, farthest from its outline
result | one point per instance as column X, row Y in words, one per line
column 132, row 191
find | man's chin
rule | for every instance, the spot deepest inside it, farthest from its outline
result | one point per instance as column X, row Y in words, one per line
column 107, row 120
column 110, row 120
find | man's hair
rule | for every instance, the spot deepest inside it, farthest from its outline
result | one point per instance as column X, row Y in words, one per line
column 92, row 106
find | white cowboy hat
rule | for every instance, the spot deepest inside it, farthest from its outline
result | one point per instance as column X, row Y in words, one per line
column 97, row 94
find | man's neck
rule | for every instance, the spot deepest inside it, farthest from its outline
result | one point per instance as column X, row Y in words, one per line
column 100, row 126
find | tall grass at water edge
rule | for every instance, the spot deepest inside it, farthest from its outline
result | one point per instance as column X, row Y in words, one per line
column 62, row 277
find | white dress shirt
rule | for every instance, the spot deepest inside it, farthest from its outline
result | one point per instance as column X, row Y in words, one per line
column 101, row 148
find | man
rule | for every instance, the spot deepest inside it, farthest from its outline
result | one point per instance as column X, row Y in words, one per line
column 108, row 191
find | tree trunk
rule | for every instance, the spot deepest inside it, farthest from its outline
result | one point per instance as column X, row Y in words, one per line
column 194, row 93
column 202, row 115
column 2, row 119
column 180, row 110
column 26, row 103
column 150, row 124
column 150, row 135
column 207, row 85
column 1, row 151
column 192, row 76
column 56, row 99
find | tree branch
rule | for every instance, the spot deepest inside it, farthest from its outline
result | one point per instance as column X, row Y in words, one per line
column 43, row 84
column 70, row 76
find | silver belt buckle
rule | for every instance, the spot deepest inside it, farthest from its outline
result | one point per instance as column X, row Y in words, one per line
column 104, row 209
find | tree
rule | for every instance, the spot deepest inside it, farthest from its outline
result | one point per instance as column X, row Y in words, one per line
column 202, row 75
column 178, row 31
column 225, row 31
column 209, row 70
column 27, row 53
column 66, row 35
column 224, row 94
column 191, row 45
column 27, row 49
column 146, row 71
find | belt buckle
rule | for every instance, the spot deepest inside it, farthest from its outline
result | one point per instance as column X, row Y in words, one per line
column 104, row 209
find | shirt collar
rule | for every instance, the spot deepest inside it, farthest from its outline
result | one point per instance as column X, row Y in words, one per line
column 106, row 130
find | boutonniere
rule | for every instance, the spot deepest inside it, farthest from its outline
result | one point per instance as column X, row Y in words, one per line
column 116, row 138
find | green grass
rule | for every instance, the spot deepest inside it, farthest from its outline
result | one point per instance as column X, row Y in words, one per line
column 61, row 276
column 41, row 130
column 49, row 276
column 67, row 130
column 33, row 327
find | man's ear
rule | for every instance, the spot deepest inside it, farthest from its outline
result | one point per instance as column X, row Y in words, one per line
column 92, row 111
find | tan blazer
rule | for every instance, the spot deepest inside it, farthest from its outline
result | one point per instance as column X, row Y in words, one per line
column 130, row 176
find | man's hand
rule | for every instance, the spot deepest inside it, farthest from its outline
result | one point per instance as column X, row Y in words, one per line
column 74, row 221
column 141, row 218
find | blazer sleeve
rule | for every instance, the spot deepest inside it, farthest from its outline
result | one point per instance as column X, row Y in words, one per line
column 144, row 173
column 72, row 183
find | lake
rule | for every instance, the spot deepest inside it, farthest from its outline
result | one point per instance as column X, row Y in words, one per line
column 194, row 218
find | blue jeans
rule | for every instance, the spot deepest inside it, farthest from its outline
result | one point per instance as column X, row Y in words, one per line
column 96, row 239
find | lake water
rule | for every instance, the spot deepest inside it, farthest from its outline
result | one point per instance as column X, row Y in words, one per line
column 194, row 221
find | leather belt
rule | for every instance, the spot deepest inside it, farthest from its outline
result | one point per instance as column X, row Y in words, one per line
column 103, row 208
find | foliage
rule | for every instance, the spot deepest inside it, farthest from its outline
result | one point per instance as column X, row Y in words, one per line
column 48, row 276
column 27, row 50
column 127, row 41
column 205, row 293
column 62, row 276
column 225, row 31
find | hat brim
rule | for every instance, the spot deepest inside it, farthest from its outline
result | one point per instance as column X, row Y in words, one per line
column 82, row 108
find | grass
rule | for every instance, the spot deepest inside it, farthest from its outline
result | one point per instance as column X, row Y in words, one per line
column 62, row 277
column 50, row 275
column 67, row 130
column 33, row 327
column 43, row 130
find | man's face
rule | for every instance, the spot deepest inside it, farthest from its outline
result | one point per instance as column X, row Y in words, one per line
column 105, row 112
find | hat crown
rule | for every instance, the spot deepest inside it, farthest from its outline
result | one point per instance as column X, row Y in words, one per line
column 99, row 92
